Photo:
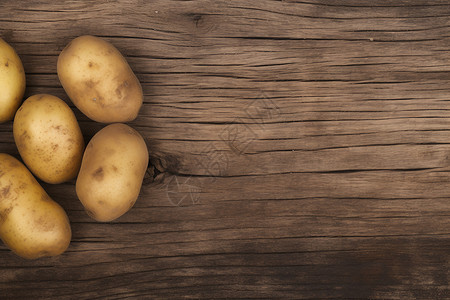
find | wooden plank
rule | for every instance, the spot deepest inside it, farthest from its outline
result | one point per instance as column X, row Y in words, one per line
column 299, row 149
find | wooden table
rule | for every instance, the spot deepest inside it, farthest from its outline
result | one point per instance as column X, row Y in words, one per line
column 299, row 149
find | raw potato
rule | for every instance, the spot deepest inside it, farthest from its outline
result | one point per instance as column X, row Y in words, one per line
column 12, row 82
column 112, row 170
column 49, row 138
column 99, row 81
column 31, row 224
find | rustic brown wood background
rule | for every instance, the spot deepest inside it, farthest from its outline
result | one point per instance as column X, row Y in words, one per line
column 299, row 149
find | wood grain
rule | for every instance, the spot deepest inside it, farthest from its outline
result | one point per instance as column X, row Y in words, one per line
column 299, row 149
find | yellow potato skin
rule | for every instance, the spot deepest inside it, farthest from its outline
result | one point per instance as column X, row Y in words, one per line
column 12, row 82
column 99, row 81
column 49, row 138
column 112, row 170
column 31, row 223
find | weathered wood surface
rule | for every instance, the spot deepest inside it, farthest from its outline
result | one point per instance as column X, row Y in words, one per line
column 299, row 149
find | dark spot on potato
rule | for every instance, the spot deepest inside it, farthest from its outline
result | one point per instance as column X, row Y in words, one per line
column 101, row 202
column 118, row 92
column 98, row 174
column 25, row 135
column 90, row 84
column 90, row 64
column 42, row 224
column 54, row 147
column 14, row 164
column 56, row 127
column 121, row 89
column 114, row 168
column 4, row 214
column 6, row 64
column 5, row 191
column 40, row 97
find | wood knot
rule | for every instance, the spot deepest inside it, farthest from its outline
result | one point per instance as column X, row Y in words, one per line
column 201, row 24
column 197, row 19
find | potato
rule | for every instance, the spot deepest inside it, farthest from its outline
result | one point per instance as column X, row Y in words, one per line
column 31, row 224
column 12, row 82
column 112, row 170
column 49, row 139
column 99, row 81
